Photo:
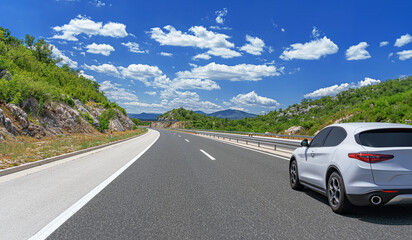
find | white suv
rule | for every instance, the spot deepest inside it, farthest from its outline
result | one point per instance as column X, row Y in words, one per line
column 356, row 163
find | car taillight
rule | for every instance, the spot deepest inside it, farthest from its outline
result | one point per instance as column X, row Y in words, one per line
column 370, row 158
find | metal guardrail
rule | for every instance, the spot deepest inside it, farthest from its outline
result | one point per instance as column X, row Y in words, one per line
column 255, row 134
column 275, row 144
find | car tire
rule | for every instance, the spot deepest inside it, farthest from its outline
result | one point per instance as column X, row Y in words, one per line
column 337, row 195
column 293, row 176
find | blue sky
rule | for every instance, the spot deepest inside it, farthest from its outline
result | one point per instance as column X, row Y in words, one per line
column 152, row 56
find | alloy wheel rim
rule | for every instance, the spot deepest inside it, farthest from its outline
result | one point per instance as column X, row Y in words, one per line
column 293, row 175
column 334, row 191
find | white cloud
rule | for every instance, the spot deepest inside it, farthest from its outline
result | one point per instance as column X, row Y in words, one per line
column 114, row 92
column 202, row 56
column 99, row 3
column 151, row 93
column 315, row 32
column 196, row 83
column 403, row 40
column 133, row 47
column 404, row 55
column 217, row 43
column 90, row 77
column 312, row 50
column 84, row 25
column 57, row 54
column 282, row 29
column 104, row 68
column 187, row 100
column 141, row 72
column 241, row 72
column 335, row 89
column 358, row 52
column 252, row 99
column 103, row 49
column 220, row 15
column 166, row 54
column 254, row 47
column 384, row 43
column 223, row 52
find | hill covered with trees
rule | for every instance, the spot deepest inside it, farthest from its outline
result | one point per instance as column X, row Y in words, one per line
column 39, row 98
column 388, row 101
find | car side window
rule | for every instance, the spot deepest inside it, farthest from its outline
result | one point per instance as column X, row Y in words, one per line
column 335, row 137
column 319, row 139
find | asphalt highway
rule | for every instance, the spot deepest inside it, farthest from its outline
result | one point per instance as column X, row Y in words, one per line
column 190, row 187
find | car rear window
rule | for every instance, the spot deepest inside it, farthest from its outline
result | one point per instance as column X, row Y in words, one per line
column 391, row 137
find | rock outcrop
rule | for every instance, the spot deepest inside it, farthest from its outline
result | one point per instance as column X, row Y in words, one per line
column 294, row 130
column 55, row 118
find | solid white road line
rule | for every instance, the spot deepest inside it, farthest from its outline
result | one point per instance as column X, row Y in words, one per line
column 207, row 154
column 179, row 136
column 57, row 222
column 187, row 140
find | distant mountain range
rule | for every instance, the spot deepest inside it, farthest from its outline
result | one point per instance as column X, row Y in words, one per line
column 145, row 116
column 230, row 114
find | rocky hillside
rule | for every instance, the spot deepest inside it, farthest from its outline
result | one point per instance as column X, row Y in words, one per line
column 56, row 118
column 40, row 97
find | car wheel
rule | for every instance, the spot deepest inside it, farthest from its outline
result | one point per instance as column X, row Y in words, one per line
column 336, row 194
column 293, row 173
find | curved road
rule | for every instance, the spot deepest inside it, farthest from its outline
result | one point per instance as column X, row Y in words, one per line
column 176, row 191
column 189, row 187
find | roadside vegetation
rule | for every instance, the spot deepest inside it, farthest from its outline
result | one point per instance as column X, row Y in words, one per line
column 388, row 101
column 29, row 70
column 28, row 149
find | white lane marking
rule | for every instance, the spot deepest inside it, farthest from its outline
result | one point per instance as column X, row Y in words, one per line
column 62, row 218
column 270, row 154
column 207, row 154
column 187, row 140
column 179, row 136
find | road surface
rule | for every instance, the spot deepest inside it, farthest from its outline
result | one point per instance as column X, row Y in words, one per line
column 190, row 187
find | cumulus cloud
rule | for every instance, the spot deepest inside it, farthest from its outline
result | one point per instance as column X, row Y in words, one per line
column 255, row 45
column 133, row 47
column 202, row 38
column 220, row 15
column 358, row 52
column 404, row 55
column 335, row 89
column 196, row 83
column 166, row 54
column 202, row 56
column 57, row 54
column 90, row 77
column 403, row 40
column 141, row 72
column 151, row 93
column 189, row 100
column 384, row 43
column 241, row 72
column 108, row 69
column 115, row 92
column 99, row 3
column 252, row 99
column 84, row 25
column 104, row 49
column 312, row 50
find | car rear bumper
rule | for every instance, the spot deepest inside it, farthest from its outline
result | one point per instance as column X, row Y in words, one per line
column 388, row 196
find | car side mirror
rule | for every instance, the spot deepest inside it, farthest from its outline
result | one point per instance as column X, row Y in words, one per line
column 304, row 143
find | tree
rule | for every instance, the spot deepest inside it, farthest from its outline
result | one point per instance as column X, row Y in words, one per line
column 29, row 40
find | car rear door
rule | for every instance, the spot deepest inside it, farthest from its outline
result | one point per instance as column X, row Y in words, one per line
column 308, row 171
